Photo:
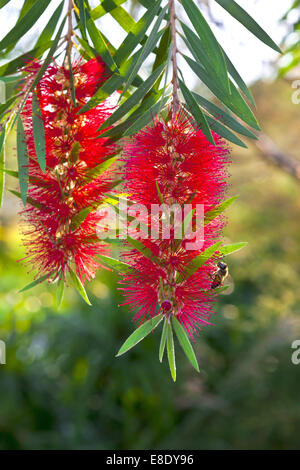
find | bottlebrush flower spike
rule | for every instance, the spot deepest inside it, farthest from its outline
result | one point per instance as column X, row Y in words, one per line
column 60, row 232
column 174, row 163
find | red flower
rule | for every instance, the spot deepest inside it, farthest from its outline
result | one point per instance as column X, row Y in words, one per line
column 176, row 157
column 61, row 218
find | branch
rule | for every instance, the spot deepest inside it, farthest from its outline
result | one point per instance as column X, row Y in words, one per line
column 70, row 30
column 273, row 154
column 176, row 102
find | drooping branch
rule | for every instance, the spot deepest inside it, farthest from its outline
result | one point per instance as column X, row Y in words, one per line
column 176, row 102
column 269, row 151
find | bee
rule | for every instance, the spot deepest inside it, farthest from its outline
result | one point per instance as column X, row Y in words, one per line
column 219, row 275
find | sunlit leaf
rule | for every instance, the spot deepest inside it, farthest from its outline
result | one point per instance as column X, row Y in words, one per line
column 171, row 351
column 22, row 160
column 79, row 286
column 185, row 343
column 38, row 132
column 139, row 334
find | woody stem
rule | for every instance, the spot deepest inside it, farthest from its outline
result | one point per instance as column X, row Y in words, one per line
column 70, row 30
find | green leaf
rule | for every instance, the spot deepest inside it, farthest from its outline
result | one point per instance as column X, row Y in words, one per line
column 82, row 16
column 24, row 25
column 49, row 29
column 134, row 98
column 163, row 51
column 42, row 69
column 185, row 343
column 3, row 3
column 136, row 34
column 246, row 20
column 171, row 351
column 235, row 102
column 224, row 117
column 139, row 334
column 228, row 249
column 211, row 215
column 2, row 163
column 114, row 83
column 208, row 42
column 72, row 84
column 22, row 160
column 60, row 292
column 99, row 44
column 36, row 282
column 152, row 40
column 38, row 132
column 196, row 111
column 163, row 340
column 238, row 79
column 224, row 132
column 197, row 262
column 139, row 246
column 106, row 6
column 116, row 265
column 146, row 117
column 79, row 286
column 135, row 117
column 20, row 61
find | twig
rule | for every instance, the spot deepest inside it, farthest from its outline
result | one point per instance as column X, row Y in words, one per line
column 70, row 31
column 176, row 102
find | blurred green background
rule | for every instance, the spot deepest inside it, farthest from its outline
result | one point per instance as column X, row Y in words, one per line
column 62, row 387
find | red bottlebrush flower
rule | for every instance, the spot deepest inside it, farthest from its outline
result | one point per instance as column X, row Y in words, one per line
column 61, row 222
column 177, row 158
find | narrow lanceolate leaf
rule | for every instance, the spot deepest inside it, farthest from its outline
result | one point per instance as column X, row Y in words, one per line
column 198, row 261
column 139, row 334
column 224, row 132
column 116, row 265
column 228, row 249
column 136, row 34
column 246, row 20
column 185, row 343
column 24, row 25
column 111, row 85
column 224, row 117
column 60, row 292
column 163, row 340
column 50, row 27
column 235, row 102
column 127, row 105
column 208, row 41
column 82, row 16
column 139, row 246
column 106, row 6
column 146, row 117
column 3, row 3
column 20, row 61
column 211, row 215
column 42, row 70
column 2, row 164
column 238, row 79
column 72, row 85
column 152, row 40
column 99, row 44
column 22, row 160
column 36, row 282
column 79, row 286
column 171, row 351
column 195, row 110
column 38, row 132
